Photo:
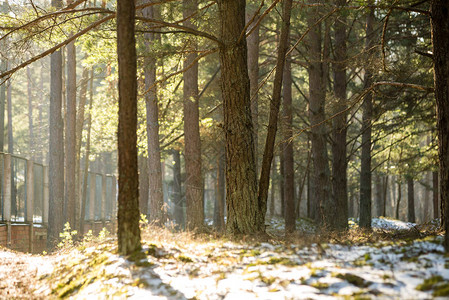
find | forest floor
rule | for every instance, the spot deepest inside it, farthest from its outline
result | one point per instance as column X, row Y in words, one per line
column 396, row 260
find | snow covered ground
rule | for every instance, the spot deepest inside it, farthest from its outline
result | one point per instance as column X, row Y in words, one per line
column 177, row 267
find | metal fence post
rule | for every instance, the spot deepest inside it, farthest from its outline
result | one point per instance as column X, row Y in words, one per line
column 30, row 199
column 92, row 188
column 46, row 197
column 7, row 195
column 103, row 199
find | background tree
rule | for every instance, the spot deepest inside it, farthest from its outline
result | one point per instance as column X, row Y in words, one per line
column 56, row 151
column 192, row 150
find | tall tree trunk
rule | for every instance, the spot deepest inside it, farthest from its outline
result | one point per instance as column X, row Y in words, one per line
column 264, row 181
column 243, row 210
column 411, row 200
column 439, row 12
column 365, row 169
column 70, row 136
column 31, row 149
column 177, row 191
column 156, row 196
column 435, row 195
column 253, row 72
column 289, row 173
column 194, row 181
column 56, row 151
column 317, row 97
column 128, row 193
column 340, row 163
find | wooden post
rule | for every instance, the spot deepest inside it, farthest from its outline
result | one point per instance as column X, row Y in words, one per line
column 7, row 195
column 30, row 199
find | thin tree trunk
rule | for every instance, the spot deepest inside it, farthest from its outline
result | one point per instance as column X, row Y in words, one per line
column 87, row 156
column 287, row 126
column 70, row 136
column 79, row 137
column 398, row 202
column 56, row 151
column 426, row 204
column 177, row 191
column 156, row 196
column 340, row 163
column 439, row 12
column 435, row 186
column 128, row 194
column 317, row 95
column 194, row 181
column 365, row 169
column 379, row 193
column 243, row 210
column 273, row 120
column 144, row 185
column 281, row 185
column 411, row 200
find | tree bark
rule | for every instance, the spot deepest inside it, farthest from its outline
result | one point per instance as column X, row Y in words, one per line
column 56, row 151
column 340, row 163
column 128, row 195
column 365, row 168
column 70, row 136
column 317, row 96
column 439, row 11
column 194, row 181
column 156, row 197
column 411, row 200
column 243, row 210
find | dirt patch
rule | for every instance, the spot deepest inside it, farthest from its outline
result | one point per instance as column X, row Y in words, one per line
column 20, row 275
